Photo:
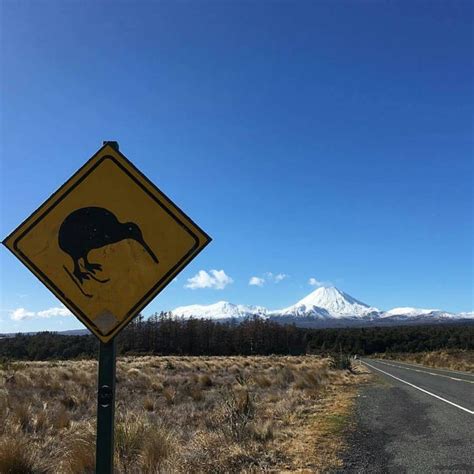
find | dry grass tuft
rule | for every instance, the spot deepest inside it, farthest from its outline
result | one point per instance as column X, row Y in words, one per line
column 158, row 450
column 61, row 419
column 76, row 455
column 205, row 381
column 130, row 433
column 17, row 456
column 149, row 404
column 263, row 432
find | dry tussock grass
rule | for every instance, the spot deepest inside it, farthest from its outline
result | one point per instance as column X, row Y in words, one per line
column 447, row 359
column 177, row 414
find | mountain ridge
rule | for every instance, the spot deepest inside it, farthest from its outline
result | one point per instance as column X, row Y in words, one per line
column 323, row 306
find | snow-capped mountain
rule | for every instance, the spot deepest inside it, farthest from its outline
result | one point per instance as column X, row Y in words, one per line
column 219, row 310
column 324, row 307
column 328, row 302
column 407, row 311
column 421, row 313
column 466, row 315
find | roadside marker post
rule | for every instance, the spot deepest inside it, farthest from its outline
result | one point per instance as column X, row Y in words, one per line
column 105, row 244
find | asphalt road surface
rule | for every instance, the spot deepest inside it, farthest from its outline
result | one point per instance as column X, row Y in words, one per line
column 413, row 419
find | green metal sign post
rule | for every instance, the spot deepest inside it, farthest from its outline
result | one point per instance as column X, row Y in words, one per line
column 105, row 408
column 104, row 463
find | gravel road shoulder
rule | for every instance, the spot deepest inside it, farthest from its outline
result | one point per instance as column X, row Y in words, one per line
column 398, row 429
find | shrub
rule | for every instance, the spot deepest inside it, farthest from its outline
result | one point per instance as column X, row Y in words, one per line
column 341, row 361
column 239, row 410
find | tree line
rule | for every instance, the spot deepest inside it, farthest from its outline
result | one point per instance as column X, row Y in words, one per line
column 163, row 334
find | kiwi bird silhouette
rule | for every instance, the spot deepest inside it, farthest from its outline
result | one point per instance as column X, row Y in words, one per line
column 91, row 228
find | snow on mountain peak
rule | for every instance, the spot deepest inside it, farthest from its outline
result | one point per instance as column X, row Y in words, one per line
column 329, row 302
column 219, row 310
column 408, row 311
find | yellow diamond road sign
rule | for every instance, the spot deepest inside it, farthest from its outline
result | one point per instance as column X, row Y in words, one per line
column 107, row 242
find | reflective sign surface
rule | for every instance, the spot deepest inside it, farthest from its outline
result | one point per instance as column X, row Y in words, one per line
column 107, row 242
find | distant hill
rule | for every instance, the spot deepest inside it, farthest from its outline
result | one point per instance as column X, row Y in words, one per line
column 71, row 332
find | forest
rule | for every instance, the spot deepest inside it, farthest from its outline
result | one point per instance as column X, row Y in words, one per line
column 162, row 334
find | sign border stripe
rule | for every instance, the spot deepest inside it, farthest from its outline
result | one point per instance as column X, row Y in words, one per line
column 67, row 188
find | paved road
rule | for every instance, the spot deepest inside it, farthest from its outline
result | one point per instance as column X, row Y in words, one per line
column 413, row 419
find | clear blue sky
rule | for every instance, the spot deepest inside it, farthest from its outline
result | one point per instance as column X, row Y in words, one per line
column 327, row 140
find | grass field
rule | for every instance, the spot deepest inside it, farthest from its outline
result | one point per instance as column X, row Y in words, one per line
column 447, row 359
column 178, row 414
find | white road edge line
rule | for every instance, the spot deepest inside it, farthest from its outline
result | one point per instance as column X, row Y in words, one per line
column 421, row 389
column 424, row 372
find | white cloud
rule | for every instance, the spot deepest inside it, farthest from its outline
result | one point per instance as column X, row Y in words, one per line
column 276, row 277
column 216, row 279
column 279, row 277
column 48, row 313
column 318, row 283
column 256, row 281
column 21, row 314
column 267, row 277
